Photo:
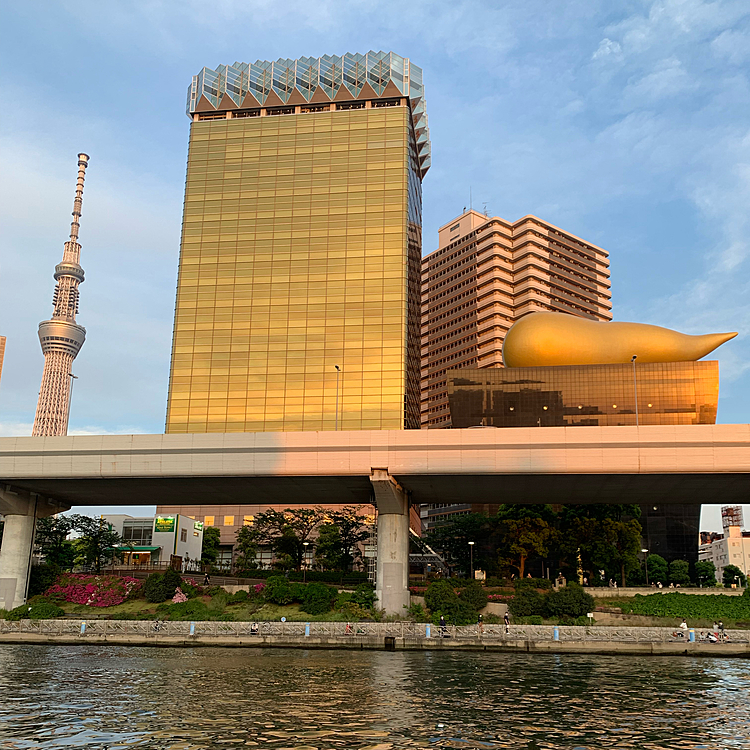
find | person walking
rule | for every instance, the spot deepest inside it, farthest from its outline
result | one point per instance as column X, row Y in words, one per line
column 506, row 620
column 443, row 626
column 722, row 634
column 480, row 624
column 206, row 580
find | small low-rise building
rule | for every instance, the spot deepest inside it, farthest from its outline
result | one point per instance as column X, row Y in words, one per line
column 730, row 548
column 156, row 539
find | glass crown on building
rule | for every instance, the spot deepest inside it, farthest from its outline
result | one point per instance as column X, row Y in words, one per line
column 313, row 80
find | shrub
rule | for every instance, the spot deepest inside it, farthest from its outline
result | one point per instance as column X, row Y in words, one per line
column 218, row 602
column 440, row 596
column 170, row 581
column 41, row 577
column 535, row 620
column 190, row 588
column 277, row 590
column 526, row 602
column 417, row 613
column 458, row 612
column 192, row 609
column 364, row 595
column 42, row 609
column 93, row 590
column 571, row 600
column 239, row 597
column 153, row 589
column 318, row 598
column 474, row 595
column 298, row 591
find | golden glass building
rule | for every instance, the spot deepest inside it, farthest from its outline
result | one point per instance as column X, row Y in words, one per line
column 298, row 289
column 585, row 395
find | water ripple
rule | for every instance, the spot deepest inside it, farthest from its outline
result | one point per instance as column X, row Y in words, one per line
column 108, row 698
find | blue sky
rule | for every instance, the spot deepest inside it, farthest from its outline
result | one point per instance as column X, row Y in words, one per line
column 625, row 123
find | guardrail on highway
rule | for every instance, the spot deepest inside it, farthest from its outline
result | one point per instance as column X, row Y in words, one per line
column 406, row 630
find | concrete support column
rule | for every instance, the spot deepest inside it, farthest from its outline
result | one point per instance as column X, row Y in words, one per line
column 15, row 560
column 20, row 511
column 392, row 584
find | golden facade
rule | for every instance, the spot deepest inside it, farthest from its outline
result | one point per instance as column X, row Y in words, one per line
column 548, row 339
column 668, row 393
column 300, row 254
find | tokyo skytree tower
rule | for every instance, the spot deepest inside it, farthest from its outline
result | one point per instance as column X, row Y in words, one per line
column 61, row 337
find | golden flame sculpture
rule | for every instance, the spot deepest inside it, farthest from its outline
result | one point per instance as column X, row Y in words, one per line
column 545, row 339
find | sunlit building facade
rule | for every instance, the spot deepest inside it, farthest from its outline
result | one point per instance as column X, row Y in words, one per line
column 298, row 288
column 585, row 395
column 486, row 274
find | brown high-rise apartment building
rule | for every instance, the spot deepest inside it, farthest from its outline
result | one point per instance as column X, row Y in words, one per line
column 486, row 274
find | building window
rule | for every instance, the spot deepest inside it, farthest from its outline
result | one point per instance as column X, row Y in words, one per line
column 248, row 520
column 228, row 520
column 183, row 535
column 208, row 521
column 138, row 532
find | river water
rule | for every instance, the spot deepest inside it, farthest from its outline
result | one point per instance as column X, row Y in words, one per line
column 131, row 697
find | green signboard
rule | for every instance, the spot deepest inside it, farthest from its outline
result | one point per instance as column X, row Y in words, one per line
column 198, row 525
column 164, row 523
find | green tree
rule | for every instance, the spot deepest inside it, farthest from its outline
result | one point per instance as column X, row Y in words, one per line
column 679, row 572
column 246, row 548
column 328, row 547
column 521, row 538
column 622, row 544
column 286, row 532
column 732, row 574
column 97, row 542
column 705, row 572
column 51, row 539
column 211, row 542
column 353, row 532
column 657, row 569
column 452, row 538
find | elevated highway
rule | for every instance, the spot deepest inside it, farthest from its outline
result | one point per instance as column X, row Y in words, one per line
column 665, row 464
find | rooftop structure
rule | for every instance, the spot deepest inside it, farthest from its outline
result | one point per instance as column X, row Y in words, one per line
column 61, row 337
column 243, row 88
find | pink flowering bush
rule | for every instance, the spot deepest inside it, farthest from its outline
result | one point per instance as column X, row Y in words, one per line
column 179, row 597
column 258, row 588
column 93, row 590
column 499, row 597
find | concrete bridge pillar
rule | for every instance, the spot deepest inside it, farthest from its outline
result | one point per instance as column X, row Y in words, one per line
column 392, row 501
column 20, row 511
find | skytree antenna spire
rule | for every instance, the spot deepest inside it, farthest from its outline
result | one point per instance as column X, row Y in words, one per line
column 61, row 337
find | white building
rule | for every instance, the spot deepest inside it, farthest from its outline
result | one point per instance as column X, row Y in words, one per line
column 152, row 540
column 731, row 548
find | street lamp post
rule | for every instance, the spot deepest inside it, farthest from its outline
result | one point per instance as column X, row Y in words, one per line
column 338, row 374
column 471, row 556
column 304, row 560
column 635, row 389
column 645, row 552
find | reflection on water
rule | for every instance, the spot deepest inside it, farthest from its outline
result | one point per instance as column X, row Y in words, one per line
column 116, row 697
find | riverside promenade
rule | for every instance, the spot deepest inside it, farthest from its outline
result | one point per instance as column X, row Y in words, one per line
column 396, row 636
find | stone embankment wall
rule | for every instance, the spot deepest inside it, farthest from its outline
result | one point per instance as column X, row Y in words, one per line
column 375, row 636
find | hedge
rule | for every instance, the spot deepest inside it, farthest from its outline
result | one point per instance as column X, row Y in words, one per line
column 694, row 606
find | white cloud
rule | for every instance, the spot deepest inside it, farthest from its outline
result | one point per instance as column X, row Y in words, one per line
column 607, row 48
